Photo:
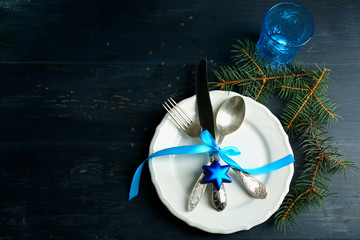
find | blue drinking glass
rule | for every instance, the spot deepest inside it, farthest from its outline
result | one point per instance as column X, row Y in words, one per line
column 287, row 27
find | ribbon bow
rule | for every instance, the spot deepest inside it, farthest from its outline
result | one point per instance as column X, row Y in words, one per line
column 209, row 147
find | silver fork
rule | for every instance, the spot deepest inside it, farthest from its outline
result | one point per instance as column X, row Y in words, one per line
column 182, row 119
column 193, row 129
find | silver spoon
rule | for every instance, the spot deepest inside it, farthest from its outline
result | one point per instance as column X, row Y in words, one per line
column 228, row 119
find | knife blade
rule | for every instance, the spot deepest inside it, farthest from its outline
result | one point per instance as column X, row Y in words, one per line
column 207, row 123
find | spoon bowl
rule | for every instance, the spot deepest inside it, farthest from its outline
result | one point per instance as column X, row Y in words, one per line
column 230, row 116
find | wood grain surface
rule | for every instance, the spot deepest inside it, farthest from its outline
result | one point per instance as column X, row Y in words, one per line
column 81, row 87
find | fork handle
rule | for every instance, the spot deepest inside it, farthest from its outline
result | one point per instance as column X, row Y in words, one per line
column 197, row 191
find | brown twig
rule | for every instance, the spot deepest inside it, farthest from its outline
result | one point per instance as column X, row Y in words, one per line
column 312, row 92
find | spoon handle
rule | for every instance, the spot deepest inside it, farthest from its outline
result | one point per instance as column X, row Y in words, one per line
column 219, row 198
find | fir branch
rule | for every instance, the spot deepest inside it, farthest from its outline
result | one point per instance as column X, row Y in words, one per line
column 307, row 111
column 312, row 186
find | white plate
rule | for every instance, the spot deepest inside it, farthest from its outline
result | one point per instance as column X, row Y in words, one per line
column 261, row 140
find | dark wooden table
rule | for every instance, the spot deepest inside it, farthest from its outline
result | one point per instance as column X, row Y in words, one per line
column 82, row 84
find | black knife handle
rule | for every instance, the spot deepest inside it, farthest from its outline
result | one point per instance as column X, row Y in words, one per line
column 203, row 98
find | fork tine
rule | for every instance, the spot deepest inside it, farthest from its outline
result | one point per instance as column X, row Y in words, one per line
column 177, row 112
column 185, row 115
column 173, row 115
column 181, row 118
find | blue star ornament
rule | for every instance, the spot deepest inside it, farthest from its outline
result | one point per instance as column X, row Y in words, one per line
column 216, row 174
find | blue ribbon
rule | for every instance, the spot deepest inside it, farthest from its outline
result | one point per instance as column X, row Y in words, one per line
column 209, row 147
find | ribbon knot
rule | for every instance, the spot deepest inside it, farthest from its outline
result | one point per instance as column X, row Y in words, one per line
column 210, row 141
column 209, row 147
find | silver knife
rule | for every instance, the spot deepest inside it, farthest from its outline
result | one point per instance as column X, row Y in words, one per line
column 207, row 123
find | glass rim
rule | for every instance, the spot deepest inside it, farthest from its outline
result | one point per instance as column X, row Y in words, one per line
column 298, row 5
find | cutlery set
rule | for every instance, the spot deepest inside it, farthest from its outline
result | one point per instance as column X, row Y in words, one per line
column 229, row 118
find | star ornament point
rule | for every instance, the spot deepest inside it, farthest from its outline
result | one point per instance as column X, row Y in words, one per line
column 216, row 174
